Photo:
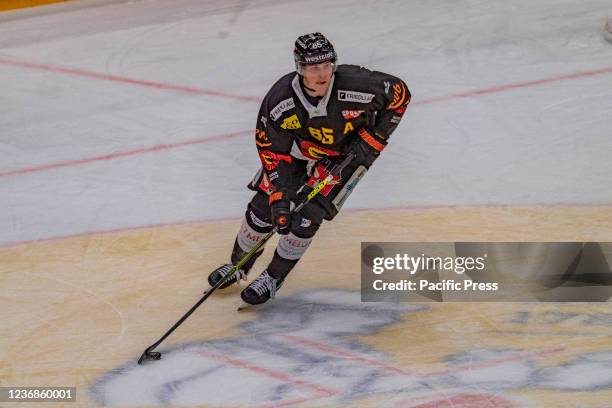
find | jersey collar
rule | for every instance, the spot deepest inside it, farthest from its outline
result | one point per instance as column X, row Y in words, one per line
column 313, row 111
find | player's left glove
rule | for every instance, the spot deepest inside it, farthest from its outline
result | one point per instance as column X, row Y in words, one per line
column 280, row 207
column 366, row 146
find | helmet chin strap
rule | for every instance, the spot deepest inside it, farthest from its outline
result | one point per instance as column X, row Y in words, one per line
column 310, row 89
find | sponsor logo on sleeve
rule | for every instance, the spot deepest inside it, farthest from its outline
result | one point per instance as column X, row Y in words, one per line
column 400, row 98
column 261, row 139
column 353, row 96
column 283, row 106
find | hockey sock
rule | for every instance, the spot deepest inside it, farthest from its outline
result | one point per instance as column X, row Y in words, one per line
column 288, row 252
column 248, row 236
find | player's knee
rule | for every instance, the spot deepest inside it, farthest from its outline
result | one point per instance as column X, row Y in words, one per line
column 258, row 214
column 303, row 227
column 291, row 247
column 306, row 223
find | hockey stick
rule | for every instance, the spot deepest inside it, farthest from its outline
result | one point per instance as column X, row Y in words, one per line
column 149, row 354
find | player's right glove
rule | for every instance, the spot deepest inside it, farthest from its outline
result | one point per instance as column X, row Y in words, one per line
column 321, row 170
column 366, row 146
column 280, row 207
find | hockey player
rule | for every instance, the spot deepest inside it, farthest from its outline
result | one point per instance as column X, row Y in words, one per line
column 308, row 122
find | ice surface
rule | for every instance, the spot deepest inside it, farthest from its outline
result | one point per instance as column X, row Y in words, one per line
column 546, row 143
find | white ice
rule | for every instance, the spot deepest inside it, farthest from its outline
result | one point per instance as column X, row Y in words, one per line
column 547, row 143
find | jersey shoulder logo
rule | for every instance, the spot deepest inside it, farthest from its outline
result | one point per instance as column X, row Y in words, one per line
column 292, row 122
column 353, row 96
column 283, row 106
column 400, row 96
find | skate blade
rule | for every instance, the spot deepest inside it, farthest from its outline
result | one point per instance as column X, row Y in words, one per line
column 246, row 306
column 208, row 289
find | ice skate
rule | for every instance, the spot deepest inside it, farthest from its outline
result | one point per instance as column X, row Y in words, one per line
column 221, row 272
column 260, row 290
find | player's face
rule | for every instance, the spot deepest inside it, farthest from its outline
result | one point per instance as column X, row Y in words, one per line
column 318, row 77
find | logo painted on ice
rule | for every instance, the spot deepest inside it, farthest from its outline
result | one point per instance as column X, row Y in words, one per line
column 305, row 350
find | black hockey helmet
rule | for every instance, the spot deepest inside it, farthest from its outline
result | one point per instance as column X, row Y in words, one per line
column 313, row 48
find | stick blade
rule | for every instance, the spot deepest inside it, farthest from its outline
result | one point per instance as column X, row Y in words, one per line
column 148, row 356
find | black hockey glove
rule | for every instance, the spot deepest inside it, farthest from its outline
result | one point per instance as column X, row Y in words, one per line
column 366, row 147
column 280, row 207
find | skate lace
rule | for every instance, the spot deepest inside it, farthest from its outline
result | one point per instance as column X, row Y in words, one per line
column 239, row 274
column 264, row 283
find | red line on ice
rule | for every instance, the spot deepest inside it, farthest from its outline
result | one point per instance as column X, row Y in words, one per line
column 200, row 91
column 488, row 363
column 328, row 348
column 465, row 400
column 94, row 75
column 111, row 231
column 125, row 80
column 125, row 153
column 510, row 87
column 56, row 238
column 89, row 74
column 319, row 391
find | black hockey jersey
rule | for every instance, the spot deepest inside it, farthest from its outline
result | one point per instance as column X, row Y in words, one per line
column 290, row 127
